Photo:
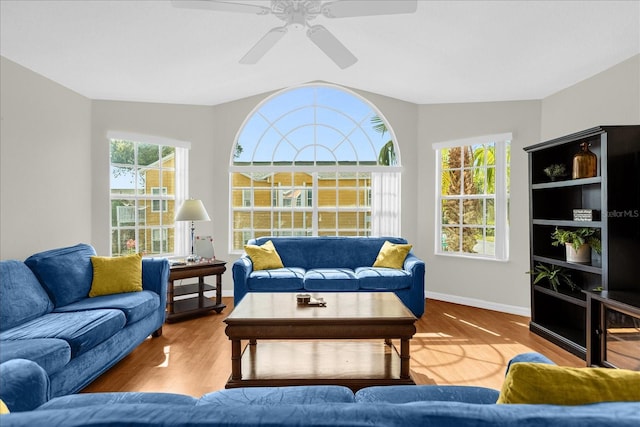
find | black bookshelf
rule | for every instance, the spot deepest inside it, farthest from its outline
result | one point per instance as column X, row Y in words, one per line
column 564, row 316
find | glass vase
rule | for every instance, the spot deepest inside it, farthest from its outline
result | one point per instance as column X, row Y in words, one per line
column 585, row 163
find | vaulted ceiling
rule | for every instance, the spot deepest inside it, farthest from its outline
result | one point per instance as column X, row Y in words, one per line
column 448, row 51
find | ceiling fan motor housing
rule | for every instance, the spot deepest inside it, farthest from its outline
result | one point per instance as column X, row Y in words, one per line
column 296, row 13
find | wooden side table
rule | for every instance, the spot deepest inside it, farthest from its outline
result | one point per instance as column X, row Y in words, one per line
column 197, row 303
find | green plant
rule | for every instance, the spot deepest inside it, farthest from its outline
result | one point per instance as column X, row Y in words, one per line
column 577, row 238
column 555, row 275
column 555, row 171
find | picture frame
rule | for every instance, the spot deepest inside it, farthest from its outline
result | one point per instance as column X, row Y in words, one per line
column 204, row 247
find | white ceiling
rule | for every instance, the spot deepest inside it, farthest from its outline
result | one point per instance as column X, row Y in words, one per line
column 449, row 51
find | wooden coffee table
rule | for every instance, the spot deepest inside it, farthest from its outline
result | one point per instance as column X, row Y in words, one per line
column 348, row 342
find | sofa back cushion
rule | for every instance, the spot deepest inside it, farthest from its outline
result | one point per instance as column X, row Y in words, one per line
column 327, row 251
column 65, row 273
column 22, row 298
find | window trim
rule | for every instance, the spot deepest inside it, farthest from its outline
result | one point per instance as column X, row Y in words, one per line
column 312, row 169
column 501, row 197
column 181, row 242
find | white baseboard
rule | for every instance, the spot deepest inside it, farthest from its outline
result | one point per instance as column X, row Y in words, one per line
column 472, row 302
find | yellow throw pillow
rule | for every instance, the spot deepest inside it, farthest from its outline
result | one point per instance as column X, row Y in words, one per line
column 392, row 255
column 528, row 382
column 3, row 408
column 116, row 275
column 264, row 257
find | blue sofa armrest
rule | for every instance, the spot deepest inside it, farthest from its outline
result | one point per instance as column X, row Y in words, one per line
column 529, row 357
column 414, row 298
column 24, row 385
column 155, row 278
column 241, row 270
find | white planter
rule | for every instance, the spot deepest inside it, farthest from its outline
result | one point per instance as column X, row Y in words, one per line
column 582, row 256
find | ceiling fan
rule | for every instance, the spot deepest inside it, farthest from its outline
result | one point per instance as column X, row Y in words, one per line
column 298, row 13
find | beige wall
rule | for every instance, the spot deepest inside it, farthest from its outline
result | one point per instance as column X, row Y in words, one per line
column 46, row 174
column 608, row 98
column 54, row 152
column 489, row 284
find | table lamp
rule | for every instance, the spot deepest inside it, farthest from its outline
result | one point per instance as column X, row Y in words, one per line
column 192, row 210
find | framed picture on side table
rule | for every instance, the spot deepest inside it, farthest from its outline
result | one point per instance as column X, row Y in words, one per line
column 204, row 247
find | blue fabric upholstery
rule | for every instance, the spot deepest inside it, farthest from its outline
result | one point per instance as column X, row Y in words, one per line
column 134, row 305
column 24, row 385
column 22, row 298
column 332, row 264
column 383, row 279
column 424, row 393
column 129, row 398
column 288, row 278
column 79, row 338
column 52, row 354
column 82, row 330
column 427, row 414
column 292, row 406
column 66, row 273
column 279, row 395
column 327, row 252
column 330, row 279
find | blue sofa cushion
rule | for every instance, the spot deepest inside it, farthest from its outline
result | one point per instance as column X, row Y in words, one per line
column 134, row 305
column 330, row 279
column 83, row 330
column 101, row 399
column 279, row 279
column 426, row 393
column 326, row 251
column 52, row 354
column 65, row 273
column 22, row 297
column 383, row 279
column 279, row 395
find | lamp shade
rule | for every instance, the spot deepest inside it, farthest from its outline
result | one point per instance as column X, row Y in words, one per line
column 192, row 210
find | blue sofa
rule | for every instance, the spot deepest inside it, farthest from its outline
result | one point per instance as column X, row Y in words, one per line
column 456, row 406
column 332, row 264
column 47, row 317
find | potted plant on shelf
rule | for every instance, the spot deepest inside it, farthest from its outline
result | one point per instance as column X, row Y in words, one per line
column 555, row 171
column 578, row 243
column 555, row 275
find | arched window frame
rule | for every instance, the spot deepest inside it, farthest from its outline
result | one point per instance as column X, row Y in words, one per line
column 377, row 209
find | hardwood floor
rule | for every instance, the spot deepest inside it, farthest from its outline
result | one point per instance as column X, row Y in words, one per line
column 454, row 344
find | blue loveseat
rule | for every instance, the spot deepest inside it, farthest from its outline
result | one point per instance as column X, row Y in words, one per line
column 332, row 264
column 456, row 406
column 47, row 317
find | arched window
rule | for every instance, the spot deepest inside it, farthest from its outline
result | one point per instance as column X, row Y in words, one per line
column 316, row 160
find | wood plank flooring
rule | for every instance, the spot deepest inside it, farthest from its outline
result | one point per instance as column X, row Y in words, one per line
column 454, row 344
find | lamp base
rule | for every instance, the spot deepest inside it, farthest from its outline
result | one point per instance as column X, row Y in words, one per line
column 193, row 258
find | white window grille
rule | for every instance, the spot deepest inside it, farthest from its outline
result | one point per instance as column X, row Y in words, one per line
column 147, row 181
column 305, row 158
column 472, row 197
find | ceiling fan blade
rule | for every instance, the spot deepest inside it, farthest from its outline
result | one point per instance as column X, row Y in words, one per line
column 331, row 46
column 264, row 44
column 221, row 6
column 350, row 8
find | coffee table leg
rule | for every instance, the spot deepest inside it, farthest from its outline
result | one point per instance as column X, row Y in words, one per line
column 236, row 360
column 404, row 358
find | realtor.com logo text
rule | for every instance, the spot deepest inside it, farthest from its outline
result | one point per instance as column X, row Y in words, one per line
column 625, row 214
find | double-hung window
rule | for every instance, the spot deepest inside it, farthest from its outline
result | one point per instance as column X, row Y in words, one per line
column 147, row 182
column 472, row 197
